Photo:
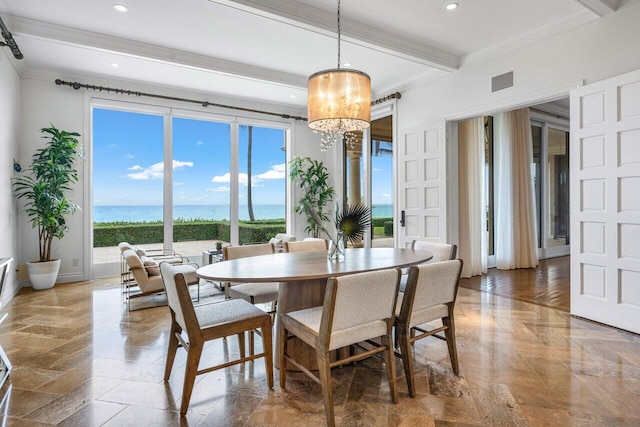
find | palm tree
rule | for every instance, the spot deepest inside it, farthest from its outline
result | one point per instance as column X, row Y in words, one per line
column 249, row 149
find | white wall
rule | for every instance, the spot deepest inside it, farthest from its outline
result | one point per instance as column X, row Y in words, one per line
column 44, row 102
column 592, row 52
column 544, row 70
column 9, row 130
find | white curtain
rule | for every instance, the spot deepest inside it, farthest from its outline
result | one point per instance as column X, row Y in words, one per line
column 472, row 216
column 515, row 235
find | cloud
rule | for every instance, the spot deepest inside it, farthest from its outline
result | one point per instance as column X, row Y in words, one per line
column 136, row 168
column 376, row 170
column 113, row 146
column 276, row 172
column 156, row 171
column 129, row 156
column 219, row 189
column 199, row 142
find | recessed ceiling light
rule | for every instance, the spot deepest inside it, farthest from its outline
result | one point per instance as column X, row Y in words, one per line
column 293, row 96
column 452, row 6
column 115, row 65
column 347, row 64
column 120, row 7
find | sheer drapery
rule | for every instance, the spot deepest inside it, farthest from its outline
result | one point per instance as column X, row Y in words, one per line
column 515, row 236
column 472, row 216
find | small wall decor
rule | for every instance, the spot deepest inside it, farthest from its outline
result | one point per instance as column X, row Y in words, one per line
column 16, row 166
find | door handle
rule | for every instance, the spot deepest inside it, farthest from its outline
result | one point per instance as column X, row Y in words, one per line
column 402, row 218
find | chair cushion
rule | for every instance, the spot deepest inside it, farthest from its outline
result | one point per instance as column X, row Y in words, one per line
column 258, row 293
column 423, row 316
column 311, row 317
column 151, row 265
column 226, row 311
column 141, row 252
column 428, row 314
column 275, row 242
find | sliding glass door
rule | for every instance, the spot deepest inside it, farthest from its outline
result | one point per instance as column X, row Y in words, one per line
column 183, row 180
column 551, row 174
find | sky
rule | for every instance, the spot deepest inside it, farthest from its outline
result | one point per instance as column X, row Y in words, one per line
column 128, row 155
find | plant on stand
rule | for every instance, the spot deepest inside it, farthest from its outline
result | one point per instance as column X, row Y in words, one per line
column 312, row 179
column 43, row 186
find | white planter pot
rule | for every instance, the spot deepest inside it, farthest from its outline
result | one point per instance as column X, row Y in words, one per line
column 43, row 275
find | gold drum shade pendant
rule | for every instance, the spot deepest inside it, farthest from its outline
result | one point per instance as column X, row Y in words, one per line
column 339, row 102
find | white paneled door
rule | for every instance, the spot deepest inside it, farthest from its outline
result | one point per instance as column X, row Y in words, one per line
column 422, row 185
column 605, row 196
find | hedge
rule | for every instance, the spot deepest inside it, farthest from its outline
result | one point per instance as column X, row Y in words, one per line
column 379, row 222
column 388, row 228
column 110, row 234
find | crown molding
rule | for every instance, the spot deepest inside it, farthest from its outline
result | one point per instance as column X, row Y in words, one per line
column 601, row 7
column 542, row 32
column 313, row 19
column 38, row 29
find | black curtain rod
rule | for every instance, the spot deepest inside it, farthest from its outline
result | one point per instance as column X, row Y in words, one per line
column 9, row 41
column 77, row 86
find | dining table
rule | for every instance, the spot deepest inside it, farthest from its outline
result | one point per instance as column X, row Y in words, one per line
column 303, row 278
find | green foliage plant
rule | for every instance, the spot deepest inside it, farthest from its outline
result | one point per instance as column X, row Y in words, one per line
column 44, row 184
column 312, row 178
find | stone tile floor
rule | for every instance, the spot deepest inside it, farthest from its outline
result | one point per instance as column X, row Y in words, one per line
column 81, row 360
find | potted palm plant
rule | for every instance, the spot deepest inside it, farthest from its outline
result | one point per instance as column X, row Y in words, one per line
column 43, row 187
column 312, row 179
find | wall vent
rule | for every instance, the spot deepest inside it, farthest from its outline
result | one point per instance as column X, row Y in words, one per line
column 502, row 81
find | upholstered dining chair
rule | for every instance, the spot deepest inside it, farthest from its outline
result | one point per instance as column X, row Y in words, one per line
column 430, row 295
column 192, row 326
column 356, row 308
column 306, row 246
column 440, row 251
column 255, row 293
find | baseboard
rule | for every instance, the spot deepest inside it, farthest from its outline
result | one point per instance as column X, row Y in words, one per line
column 10, row 291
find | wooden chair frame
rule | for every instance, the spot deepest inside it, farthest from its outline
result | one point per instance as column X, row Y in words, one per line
column 197, row 336
column 321, row 342
column 406, row 335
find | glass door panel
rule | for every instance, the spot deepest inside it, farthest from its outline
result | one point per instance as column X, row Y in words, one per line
column 558, row 188
column 262, row 178
column 201, row 191
column 127, row 183
column 382, row 182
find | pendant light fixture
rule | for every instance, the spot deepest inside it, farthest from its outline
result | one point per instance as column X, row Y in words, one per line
column 339, row 102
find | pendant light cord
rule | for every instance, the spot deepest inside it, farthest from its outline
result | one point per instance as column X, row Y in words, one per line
column 338, row 34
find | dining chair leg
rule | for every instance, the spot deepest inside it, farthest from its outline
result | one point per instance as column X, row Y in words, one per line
column 267, row 345
column 251, row 343
column 241, row 344
column 407, row 360
column 324, row 369
column 191, row 370
column 389, row 361
column 282, row 351
column 450, row 335
column 172, row 348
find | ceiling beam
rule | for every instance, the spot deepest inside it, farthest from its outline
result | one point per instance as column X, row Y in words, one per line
column 601, row 7
column 317, row 20
column 38, row 29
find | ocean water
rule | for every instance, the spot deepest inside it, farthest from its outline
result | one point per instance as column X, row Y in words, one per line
column 154, row 213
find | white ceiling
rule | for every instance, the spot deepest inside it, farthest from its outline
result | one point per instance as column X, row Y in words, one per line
column 265, row 50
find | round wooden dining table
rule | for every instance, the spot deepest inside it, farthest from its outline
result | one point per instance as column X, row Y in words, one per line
column 303, row 277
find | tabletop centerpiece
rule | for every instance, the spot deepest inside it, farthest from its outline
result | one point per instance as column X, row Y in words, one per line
column 350, row 223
